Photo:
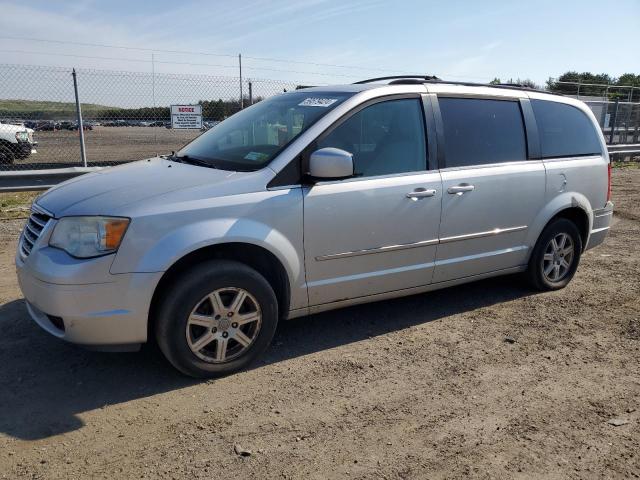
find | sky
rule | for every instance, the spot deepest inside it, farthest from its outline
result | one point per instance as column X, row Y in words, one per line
column 453, row 39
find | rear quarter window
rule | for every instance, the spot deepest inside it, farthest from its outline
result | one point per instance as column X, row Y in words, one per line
column 564, row 130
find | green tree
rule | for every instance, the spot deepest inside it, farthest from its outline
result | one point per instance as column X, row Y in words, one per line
column 591, row 84
column 526, row 82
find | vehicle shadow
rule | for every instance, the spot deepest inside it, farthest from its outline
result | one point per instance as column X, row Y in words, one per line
column 46, row 384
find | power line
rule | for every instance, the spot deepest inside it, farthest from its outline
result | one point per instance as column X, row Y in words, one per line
column 183, row 52
column 96, row 57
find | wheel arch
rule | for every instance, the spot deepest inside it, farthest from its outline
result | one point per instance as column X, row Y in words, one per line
column 252, row 255
column 572, row 206
column 579, row 218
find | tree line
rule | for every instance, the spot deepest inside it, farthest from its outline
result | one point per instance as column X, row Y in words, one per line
column 212, row 110
column 591, row 84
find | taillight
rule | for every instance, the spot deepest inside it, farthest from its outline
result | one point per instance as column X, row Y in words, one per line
column 609, row 182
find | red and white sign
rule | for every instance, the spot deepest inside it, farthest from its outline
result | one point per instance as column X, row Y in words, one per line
column 186, row 116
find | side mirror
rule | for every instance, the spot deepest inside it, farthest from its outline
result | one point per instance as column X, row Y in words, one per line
column 331, row 163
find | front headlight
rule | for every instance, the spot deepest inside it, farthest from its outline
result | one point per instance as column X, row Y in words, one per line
column 22, row 136
column 86, row 237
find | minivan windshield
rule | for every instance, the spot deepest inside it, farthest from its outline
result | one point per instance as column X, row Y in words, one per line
column 253, row 137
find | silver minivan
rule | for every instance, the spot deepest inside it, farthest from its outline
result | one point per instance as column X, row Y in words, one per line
column 314, row 200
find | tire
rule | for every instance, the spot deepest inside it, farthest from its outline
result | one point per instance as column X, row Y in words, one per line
column 7, row 156
column 547, row 268
column 194, row 323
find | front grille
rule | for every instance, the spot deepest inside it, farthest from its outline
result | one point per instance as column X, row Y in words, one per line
column 32, row 230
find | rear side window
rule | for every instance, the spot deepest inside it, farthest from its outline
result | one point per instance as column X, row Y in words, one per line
column 564, row 130
column 479, row 131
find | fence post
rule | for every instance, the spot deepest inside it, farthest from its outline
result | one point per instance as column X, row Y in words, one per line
column 240, row 66
column 613, row 120
column 83, row 153
column 250, row 93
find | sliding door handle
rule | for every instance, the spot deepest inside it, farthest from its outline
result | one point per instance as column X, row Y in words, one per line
column 460, row 189
column 420, row 193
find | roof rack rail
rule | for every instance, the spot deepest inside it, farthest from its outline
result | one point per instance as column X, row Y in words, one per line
column 399, row 77
column 413, row 79
column 506, row 86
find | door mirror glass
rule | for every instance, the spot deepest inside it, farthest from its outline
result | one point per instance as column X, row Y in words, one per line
column 331, row 163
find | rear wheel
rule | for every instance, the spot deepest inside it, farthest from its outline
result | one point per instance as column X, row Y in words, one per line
column 555, row 257
column 216, row 318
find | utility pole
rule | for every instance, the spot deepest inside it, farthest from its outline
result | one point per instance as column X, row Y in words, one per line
column 250, row 93
column 153, row 79
column 83, row 153
column 240, row 66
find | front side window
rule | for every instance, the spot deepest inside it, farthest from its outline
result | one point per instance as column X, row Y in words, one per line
column 384, row 138
column 564, row 130
column 253, row 137
column 479, row 131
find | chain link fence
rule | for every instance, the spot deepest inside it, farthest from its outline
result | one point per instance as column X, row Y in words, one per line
column 125, row 115
column 617, row 107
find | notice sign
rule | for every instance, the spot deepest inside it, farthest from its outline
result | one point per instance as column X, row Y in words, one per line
column 186, row 116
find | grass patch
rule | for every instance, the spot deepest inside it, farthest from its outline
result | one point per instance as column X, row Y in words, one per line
column 16, row 204
column 44, row 109
column 625, row 164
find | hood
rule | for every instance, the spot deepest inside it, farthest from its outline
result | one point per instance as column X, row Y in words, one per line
column 112, row 190
column 11, row 128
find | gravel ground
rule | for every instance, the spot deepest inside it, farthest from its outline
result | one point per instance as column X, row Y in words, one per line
column 108, row 144
column 488, row 380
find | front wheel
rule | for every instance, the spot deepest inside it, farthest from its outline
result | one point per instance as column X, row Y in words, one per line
column 555, row 257
column 216, row 318
column 7, row 156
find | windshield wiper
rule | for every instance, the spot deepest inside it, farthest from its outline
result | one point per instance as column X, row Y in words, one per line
column 189, row 160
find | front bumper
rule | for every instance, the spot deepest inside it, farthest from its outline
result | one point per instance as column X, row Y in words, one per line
column 111, row 310
column 23, row 149
column 601, row 225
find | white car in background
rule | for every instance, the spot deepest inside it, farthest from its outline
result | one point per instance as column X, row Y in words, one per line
column 16, row 143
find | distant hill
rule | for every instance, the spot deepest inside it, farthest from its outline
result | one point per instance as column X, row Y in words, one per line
column 42, row 110
column 35, row 109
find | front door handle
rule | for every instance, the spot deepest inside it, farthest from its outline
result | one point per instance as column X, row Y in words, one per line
column 421, row 193
column 460, row 189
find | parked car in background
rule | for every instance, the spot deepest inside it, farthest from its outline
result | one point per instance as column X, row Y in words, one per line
column 314, row 200
column 209, row 124
column 47, row 126
column 85, row 126
column 16, row 143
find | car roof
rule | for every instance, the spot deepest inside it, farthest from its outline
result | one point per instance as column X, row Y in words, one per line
column 450, row 88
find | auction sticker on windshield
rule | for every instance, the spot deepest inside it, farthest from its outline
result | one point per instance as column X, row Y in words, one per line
column 317, row 102
column 186, row 116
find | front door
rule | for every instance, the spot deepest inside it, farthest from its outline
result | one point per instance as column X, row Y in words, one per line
column 376, row 232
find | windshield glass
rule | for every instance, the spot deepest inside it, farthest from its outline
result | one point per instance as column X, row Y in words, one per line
column 253, row 137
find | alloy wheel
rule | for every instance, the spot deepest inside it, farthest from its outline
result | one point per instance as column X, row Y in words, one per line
column 558, row 257
column 223, row 325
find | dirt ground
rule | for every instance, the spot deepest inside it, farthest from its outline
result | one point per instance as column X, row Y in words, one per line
column 106, row 144
column 488, row 380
